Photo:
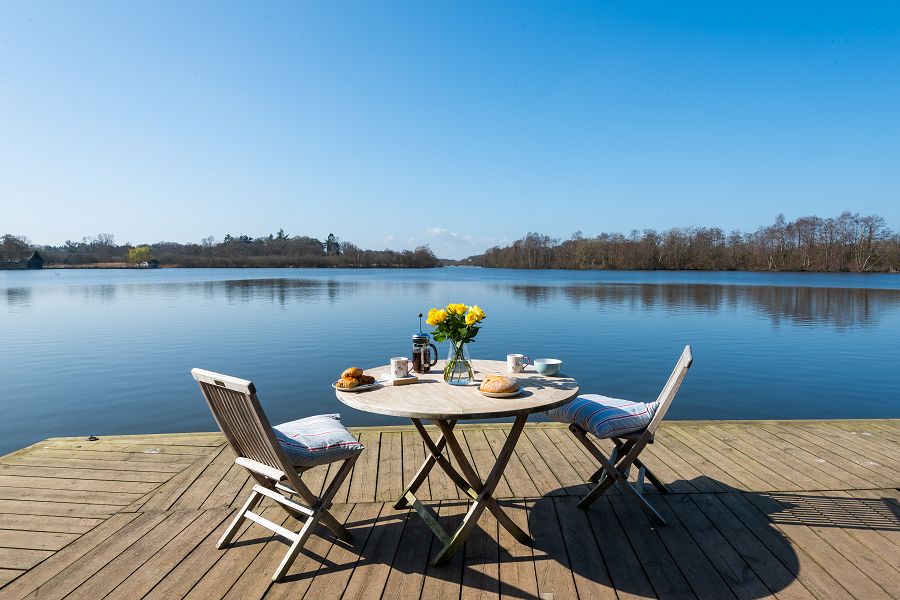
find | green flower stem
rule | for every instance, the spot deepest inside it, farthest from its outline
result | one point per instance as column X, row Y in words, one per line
column 457, row 355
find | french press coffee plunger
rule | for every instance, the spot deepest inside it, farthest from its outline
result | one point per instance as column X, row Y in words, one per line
column 424, row 353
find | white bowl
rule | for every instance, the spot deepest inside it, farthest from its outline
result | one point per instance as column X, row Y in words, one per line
column 547, row 366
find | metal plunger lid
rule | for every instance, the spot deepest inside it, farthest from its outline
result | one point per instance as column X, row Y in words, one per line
column 421, row 336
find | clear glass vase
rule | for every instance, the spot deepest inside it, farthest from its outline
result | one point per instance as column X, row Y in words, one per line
column 458, row 369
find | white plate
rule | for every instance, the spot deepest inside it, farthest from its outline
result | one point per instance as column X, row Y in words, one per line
column 502, row 394
column 359, row 388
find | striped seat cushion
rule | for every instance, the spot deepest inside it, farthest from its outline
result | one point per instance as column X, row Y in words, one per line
column 605, row 417
column 316, row 440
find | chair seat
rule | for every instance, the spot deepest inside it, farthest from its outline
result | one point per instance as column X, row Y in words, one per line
column 316, row 440
column 605, row 417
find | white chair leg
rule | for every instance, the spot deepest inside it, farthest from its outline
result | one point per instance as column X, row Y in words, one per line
column 248, row 506
column 325, row 502
column 296, row 547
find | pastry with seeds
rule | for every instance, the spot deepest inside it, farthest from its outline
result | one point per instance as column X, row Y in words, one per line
column 354, row 372
column 347, row 383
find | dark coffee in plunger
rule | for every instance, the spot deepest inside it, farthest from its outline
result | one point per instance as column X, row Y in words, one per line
column 424, row 353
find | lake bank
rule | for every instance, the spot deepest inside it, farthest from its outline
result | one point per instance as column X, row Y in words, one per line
column 124, row 265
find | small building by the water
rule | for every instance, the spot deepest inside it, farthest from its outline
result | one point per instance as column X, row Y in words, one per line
column 35, row 262
column 152, row 264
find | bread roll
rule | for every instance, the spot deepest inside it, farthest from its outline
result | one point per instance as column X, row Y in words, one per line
column 498, row 384
column 354, row 372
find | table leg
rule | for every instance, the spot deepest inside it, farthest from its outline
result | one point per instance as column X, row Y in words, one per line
column 442, row 460
column 468, row 481
column 484, row 499
column 435, row 455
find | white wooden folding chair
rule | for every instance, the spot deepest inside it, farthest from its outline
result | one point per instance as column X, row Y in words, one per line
column 628, row 447
column 237, row 411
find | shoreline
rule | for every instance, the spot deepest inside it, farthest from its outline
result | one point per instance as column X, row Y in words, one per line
column 119, row 265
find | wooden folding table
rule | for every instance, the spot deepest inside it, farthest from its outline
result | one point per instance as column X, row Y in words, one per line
column 443, row 404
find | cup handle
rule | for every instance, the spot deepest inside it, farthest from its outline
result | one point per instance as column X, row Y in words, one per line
column 433, row 362
column 525, row 361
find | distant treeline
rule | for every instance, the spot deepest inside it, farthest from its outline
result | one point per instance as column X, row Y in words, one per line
column 274, row 250
column 849, row 242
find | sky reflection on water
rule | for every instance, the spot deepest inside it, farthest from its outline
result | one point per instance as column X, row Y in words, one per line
column 110, row 352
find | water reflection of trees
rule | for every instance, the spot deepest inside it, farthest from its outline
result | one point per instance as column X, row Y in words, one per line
column 840, row 307
column 283, row 291
column 94, row 293
column 18, row 297
column 273, row 291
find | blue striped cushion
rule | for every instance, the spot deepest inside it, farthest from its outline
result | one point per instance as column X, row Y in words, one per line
column 605, row 417
column 316, row 440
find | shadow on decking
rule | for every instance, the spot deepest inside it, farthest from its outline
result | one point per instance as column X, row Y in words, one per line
column 726, row 541
column 734, row 542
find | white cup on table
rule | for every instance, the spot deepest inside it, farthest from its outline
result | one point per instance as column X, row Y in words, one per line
column 516, row 363
column 399, row 367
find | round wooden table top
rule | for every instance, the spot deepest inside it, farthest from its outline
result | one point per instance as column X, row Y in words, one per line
column 433, row 398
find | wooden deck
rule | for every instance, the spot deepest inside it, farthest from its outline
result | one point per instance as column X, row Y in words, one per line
column 800, row 509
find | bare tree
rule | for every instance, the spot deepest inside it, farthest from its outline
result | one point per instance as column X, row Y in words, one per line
column 847, row 242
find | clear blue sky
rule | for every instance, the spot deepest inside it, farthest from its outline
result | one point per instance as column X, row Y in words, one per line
column 459, row 125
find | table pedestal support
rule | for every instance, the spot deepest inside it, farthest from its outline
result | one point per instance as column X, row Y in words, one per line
column 468, row 481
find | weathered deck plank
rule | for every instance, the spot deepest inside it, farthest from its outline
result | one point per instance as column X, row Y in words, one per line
column 374, row 567
column 149, row 574
column 784, row 508
column 389, row 485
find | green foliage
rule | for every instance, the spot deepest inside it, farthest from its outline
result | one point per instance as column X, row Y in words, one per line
column 138, row 255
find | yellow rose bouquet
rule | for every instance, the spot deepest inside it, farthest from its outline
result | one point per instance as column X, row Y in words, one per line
column 459, row 324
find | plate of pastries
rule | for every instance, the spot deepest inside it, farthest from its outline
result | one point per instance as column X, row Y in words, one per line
column 499, row 386
column 354, row 380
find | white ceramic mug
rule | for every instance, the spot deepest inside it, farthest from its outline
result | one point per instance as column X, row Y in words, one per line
column 399, row 367
column 516, row 363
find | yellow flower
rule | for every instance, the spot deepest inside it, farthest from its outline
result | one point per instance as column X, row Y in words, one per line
column 456, row 308
column 471, row 318
column 436, row 316
column 477, row 313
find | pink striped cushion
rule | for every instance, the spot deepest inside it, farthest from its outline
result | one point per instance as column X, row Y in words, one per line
column 605, row 417
column 316, row 440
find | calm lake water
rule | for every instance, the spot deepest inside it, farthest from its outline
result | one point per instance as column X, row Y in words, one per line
column 109, row 352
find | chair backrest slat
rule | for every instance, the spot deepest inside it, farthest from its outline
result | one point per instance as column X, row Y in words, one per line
column 238, row 413
column 670, row 389
column 236, row 410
